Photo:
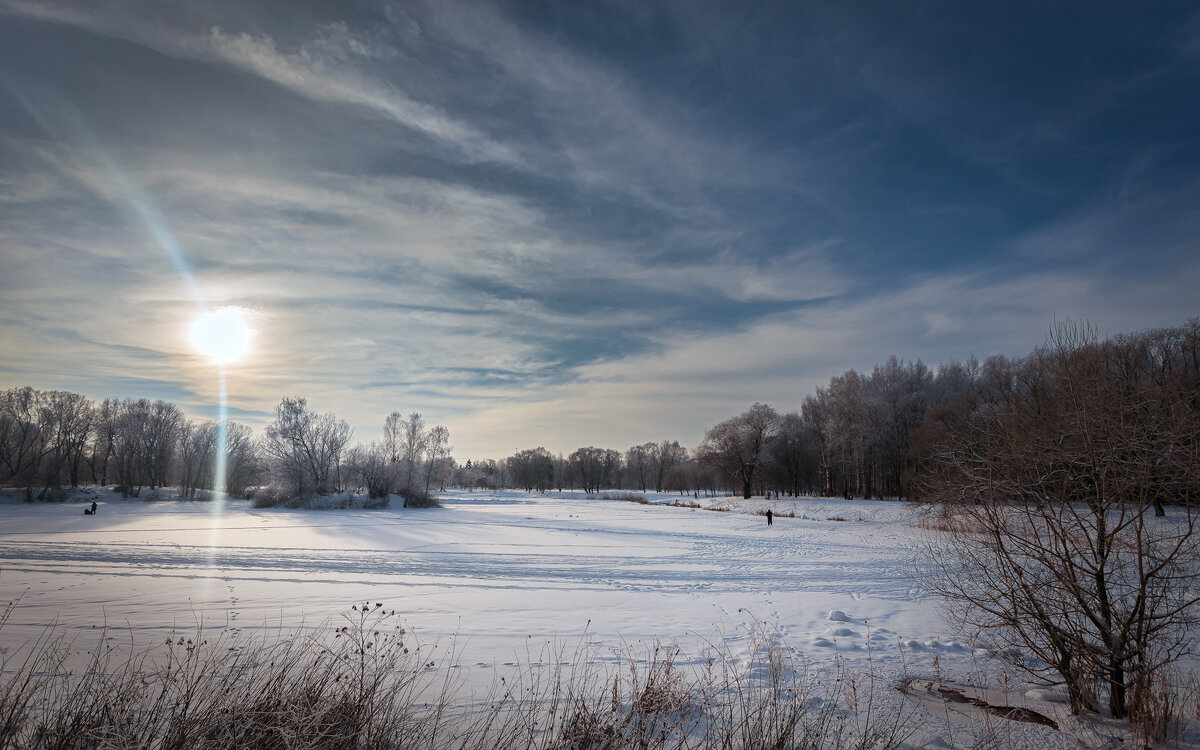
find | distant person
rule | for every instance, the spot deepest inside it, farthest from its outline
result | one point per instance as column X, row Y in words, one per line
column 770, row 517
column 94, row 506
column 87, row 511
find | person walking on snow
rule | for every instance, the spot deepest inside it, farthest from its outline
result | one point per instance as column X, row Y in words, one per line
column 770, row 517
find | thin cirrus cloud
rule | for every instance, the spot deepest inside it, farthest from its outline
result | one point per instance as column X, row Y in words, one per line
column 577, row 225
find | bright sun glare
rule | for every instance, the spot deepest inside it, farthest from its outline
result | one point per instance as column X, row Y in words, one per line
column 222, row 334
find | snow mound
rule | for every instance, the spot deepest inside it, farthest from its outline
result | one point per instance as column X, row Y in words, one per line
column 1050, row 695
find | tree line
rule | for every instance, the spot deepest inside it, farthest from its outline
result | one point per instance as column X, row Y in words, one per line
column 53, row 439
column 870, row 435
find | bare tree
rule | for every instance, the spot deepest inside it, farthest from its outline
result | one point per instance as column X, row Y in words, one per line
column 132, row 445
column 242, row 465
column 197, row 452
column 393, row 437
column 792, row 454
column 307, row 448
column 42, row 437
column 413, row 439
column 594, row 467
column 666, row 457
column 738, row 446
column 163, row 428
column 532, row 469
column 371, row 469
column 1056, row 474
column 19, row 433
column 561, row 471
column 104, row 440
column 639, row 461
column 437, row 454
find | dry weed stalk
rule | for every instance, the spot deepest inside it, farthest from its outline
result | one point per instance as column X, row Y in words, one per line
column 370, row 684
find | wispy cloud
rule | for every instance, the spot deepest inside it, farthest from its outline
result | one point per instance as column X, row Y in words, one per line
column 320, row 68
column 558, row 225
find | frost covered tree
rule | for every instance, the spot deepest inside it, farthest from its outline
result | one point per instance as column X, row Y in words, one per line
column 306, row 449
column 412, row 442
column 436, row 463
column 371, row 468
column 416, row 455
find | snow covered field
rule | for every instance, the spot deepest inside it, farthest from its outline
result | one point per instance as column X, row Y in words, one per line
column 503, row 574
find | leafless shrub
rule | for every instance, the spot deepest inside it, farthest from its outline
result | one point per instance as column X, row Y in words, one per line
column 945, row 517
column 336, row 501
column 268, row 496
column 417, row 498
column 1060, row 479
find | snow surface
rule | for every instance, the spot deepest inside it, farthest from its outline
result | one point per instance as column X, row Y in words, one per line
column 494, row 572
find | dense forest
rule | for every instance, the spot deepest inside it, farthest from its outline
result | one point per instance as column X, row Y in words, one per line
column 880, row 434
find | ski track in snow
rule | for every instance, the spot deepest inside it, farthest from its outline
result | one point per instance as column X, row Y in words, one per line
column 500, row 576
column 715, row 566
column 713, row 563
column 491, row 570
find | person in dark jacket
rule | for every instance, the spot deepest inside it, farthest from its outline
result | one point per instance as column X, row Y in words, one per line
column 770, row 517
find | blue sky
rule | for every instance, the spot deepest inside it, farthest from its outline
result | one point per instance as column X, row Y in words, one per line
column 563, row 223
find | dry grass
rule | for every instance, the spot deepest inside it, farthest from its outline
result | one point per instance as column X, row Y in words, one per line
column 776, row 514
column 628, row 497
column 368, row 684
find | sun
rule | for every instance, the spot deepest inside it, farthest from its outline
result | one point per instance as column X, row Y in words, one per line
column 223, row 334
